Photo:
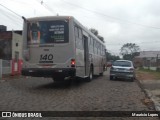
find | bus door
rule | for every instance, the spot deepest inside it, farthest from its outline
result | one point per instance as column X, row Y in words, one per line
column 86, row 55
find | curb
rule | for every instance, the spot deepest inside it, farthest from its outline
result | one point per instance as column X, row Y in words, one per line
column 6, row 78
column 150, row 95
column 154, row 99
column 1, row 81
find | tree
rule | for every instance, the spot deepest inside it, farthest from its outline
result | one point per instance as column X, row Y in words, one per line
column 95, row 32
column 129, row 51
column 111, row 57
column 101, row 38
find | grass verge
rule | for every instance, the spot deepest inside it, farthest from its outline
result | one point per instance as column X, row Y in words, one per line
column 155, row 74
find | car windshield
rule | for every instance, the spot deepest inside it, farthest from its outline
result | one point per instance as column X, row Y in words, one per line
column 122, row 63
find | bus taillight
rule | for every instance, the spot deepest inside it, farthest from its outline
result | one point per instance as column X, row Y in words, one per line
column 73, row 62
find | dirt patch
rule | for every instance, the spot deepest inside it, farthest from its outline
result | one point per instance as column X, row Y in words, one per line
column 10, row 77
column 149, row 103
column 140, row 75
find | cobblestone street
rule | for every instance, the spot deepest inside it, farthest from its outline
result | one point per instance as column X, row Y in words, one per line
column 101, row 94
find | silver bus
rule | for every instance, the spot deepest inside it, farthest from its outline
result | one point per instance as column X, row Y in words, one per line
column 60, row 47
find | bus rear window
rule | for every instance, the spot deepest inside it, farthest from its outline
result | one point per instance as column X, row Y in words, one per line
column 47, row 32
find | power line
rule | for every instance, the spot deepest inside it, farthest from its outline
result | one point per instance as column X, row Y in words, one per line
column 11, row 11
column 11, row 18
column 11, row 14
column 119, row 19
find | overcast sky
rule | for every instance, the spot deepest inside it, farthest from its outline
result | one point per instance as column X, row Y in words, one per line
column 118, row 21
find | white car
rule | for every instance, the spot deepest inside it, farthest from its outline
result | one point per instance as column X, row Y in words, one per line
column 122, row 69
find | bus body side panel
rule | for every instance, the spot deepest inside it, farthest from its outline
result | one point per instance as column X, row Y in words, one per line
column 101, row 64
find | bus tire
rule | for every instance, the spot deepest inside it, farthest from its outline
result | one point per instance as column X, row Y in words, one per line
column 101, row 74
column 56, row 79
column 68, row 82
column 90, row 77
column 132, row 79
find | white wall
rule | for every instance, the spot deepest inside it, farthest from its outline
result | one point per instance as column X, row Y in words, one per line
column 16, row 38
column 151, row 68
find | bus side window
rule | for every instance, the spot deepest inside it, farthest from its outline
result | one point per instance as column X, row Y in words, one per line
column 101, row 49
column 90, row 44
column 78, row 37
column 81, row 39
column 80, row 33
column 98, row 47
column 76, row 31
column 95, row 46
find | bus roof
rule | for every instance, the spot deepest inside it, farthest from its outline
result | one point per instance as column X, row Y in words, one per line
column 49, row 18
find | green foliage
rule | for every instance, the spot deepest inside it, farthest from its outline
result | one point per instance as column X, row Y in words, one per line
column 156, row 74
column 95, row 32
column 111, row 57
column 101, row 38
column 129, row 51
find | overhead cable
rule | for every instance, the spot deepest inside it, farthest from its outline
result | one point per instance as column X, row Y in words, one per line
column 10, row 10
column 116, row 18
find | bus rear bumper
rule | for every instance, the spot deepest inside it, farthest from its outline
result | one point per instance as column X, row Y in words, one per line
column 51, row 72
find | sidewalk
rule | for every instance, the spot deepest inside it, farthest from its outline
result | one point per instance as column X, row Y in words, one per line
column 151, row 87
column 10, row 77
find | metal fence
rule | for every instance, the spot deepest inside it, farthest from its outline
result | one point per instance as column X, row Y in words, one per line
column 151, row 63
column 5, row 67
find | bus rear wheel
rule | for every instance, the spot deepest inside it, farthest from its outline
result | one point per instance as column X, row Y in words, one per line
column 56, row 79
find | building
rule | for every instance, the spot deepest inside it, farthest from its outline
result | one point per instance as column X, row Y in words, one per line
column 3, row 28
column 138, row 61
column 16, row 52
column 11, row 49
column 149, row 59
column 6, row 45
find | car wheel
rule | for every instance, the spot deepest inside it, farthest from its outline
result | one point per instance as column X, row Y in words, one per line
column 111, row 77
column 68, row 82
column 132, row 79
column 58, row 78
